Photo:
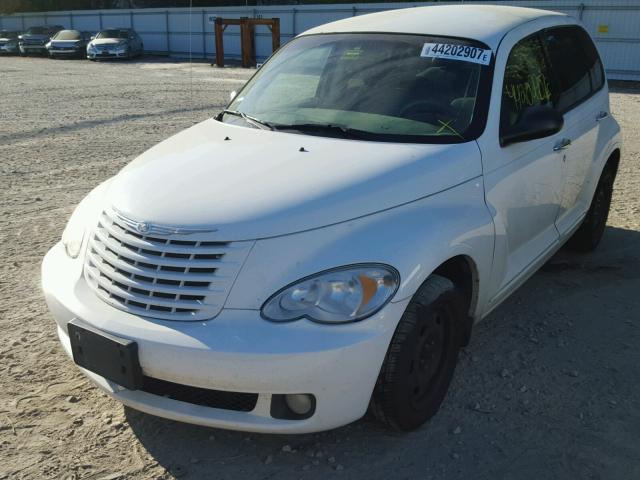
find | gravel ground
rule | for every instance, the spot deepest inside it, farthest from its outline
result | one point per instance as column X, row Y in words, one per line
column 547, row 389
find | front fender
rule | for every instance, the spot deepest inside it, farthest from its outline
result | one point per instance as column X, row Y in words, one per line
column 415, row 238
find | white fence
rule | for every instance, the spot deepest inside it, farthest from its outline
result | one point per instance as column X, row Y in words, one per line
column 615, row 24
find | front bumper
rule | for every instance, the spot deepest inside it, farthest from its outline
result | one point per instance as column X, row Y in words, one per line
column 237, row 351
column 8, row 49
column 66, row 51
column 120, row 53
column 33, row 48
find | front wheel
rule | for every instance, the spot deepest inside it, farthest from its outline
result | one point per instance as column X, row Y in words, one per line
column 421, row 358
column 588, row 236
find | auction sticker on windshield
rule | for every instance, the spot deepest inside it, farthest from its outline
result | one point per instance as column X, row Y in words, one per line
column 465, row 53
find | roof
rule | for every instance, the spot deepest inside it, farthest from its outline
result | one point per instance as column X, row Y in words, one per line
column 487, row 23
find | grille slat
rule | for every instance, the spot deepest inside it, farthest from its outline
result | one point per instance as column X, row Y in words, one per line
column 160, row 259
column 109, row 272
column 177, row 277
column 153, row 273
column 117, row 290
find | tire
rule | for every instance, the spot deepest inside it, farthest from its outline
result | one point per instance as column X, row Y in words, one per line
column 421, row 358
column 588, row 236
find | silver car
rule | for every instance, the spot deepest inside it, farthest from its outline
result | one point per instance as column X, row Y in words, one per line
column 8, row 42
column 68, row 43
column 115, row 43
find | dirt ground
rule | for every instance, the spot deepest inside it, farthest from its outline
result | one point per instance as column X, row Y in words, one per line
column 549, row 387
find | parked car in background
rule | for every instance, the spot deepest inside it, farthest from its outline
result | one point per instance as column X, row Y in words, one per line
column 115, row 43
column 35, row 39
column 8, row 42
column 326, row 243
column 69, row 43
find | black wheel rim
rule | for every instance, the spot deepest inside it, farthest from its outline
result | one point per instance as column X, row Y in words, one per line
column 428, row 356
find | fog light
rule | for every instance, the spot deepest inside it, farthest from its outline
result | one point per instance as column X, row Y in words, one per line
column 299, row 403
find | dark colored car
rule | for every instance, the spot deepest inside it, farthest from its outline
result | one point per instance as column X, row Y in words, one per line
column 69, row 43
column 8, row 42
column 35, row 39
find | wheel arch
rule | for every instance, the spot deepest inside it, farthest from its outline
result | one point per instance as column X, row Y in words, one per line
column 613, row 161
column 462, row 271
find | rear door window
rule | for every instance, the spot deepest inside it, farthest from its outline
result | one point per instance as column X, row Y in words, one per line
column 575, row 63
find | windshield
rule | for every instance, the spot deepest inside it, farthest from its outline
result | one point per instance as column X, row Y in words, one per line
column 7, row 34
column 37, row 31
column 113, row 34
column 384, row 87
column 68, row 35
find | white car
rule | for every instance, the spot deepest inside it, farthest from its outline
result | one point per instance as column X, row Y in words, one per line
column 325, row 245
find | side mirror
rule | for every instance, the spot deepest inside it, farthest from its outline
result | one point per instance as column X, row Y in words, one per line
column 535, row 122
column 232, row 95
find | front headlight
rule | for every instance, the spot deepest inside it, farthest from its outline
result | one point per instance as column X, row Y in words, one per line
column 340, row 295
column 48, row 46
column 73, row 235
column 85, row 214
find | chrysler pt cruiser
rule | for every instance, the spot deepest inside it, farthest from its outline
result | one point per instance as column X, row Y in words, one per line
column 325, row 245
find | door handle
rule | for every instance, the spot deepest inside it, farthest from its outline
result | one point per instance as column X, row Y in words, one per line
column 602, row 115
column 562, row 144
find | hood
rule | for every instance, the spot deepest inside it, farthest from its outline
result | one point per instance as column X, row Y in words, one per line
column 108, row 41
column 65, row 43
column 250, row 183
column 8, row 39
column 35, row 36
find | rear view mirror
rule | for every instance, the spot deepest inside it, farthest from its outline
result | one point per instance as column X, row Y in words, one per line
column 535, row 122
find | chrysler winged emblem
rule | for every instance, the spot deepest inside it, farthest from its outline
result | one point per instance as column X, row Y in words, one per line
column 146, row 228
column 142, row 227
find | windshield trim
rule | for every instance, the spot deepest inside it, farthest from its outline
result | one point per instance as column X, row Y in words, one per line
column 119, row 30
column 477, row 126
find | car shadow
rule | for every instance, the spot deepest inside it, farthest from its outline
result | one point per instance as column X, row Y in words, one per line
column 546, row 389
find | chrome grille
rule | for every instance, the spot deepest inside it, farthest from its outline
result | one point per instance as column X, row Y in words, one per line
column 161, row 277
column 33, row 41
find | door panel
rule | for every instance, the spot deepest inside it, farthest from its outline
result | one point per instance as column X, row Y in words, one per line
column 524, row 199
column 579, row 94
column 524, row 192
column 577, row 161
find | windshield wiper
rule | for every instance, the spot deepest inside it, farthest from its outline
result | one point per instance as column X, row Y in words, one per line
column 344, row 132
column 247, row 118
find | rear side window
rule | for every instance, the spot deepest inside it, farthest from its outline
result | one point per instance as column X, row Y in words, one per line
column 527, row 82
column 575, row 63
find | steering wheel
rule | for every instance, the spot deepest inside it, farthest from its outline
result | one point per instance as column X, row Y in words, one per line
column 428, row 110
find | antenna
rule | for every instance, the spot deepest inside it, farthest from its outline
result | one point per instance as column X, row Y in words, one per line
column 191, row 54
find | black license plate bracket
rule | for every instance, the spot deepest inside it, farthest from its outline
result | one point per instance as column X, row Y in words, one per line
column 109, row 356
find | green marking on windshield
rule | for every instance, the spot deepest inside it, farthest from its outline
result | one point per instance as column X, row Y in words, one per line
column 447, row 126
